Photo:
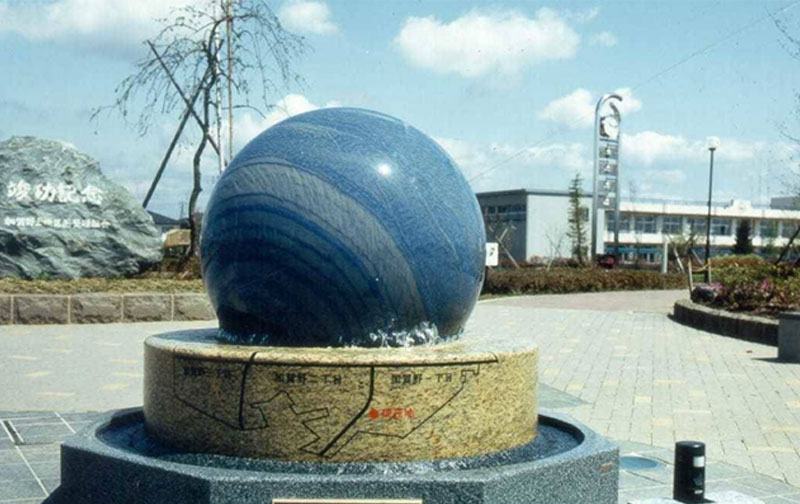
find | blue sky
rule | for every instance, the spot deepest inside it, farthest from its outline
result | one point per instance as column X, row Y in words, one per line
column 489, row 80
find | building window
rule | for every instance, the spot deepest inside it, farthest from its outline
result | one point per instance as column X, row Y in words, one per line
column 768, row 229
column 697, row 225
column 609, row 220
column 625, row 222
column 672, row 224
column 721, row 227
column 788, row 228
column 645, row 223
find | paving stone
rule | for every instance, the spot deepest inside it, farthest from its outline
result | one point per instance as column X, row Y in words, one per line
column 41, row 309
column 24, row 489
column 727, row 497
column 96, row 308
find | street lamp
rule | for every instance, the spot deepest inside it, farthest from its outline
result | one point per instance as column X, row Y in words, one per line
column 713, row 144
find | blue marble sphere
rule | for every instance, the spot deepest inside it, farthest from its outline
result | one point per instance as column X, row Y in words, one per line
column 342, row 227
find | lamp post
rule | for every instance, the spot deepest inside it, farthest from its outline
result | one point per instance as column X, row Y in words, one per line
column 713, row 144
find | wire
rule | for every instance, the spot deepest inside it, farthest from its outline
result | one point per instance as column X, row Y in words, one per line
column 554, row 134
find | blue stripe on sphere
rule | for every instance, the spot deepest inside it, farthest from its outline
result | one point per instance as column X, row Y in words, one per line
column 362, row 206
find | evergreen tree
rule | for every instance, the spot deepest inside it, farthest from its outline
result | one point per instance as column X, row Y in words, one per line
column 577, row 218
column 744, row 243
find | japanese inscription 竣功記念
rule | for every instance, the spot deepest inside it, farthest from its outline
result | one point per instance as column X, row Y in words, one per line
column 62, row 192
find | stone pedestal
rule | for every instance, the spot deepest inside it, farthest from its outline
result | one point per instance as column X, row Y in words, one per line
column 115, row 461
column 789, row 337
column 462, row 399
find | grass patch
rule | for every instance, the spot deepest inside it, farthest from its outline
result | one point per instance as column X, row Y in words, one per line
column 86, row 285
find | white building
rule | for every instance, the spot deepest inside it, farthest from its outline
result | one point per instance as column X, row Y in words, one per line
column 533, row 223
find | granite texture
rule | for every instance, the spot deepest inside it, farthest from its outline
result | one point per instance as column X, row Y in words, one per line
column 342, row 227
column 61, row 217
column 192, row 307
column 6, row 316
column 146, row 307
column 41, row 309
column 114, row 461
column 95, row 309
column 102, row 308
column 789, row 337
column 430, row 402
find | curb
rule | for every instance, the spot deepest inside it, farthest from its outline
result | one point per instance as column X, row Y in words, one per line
column 103, row 308
column 736, row 325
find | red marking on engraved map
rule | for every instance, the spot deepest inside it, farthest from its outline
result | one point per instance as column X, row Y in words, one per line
column 391, row 413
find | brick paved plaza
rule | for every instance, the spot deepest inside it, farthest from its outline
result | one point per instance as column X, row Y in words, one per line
column 615, row 361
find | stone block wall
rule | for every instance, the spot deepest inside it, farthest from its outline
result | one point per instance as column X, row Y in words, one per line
column 103, row 308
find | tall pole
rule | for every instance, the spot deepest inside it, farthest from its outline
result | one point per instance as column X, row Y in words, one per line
column 229, row 34
column 218, row 93
column 616, row 202
column 607, row 142
column 711, row 150
column 595, row 170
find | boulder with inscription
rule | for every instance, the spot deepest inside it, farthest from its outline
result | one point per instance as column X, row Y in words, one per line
column 60, row 217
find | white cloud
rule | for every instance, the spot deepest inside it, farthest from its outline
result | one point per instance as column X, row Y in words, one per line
column 107, row 25
column 479, row 43
column 576, row 109
column 304, row 16
column 670, row 177
column 581, row 16
column 650, row 147
column 546, row 166
column 605, row 38
column 629, row 102
column 247, row 126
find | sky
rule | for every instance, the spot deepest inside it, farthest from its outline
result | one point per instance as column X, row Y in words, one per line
column 507, row 88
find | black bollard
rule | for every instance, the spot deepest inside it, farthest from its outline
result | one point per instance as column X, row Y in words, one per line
column 689, row 480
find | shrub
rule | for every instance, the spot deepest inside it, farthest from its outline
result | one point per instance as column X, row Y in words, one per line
column 748, row 260
column 748, row 283
column 564, row 280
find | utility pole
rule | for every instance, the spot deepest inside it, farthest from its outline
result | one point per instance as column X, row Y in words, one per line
column 229, row 31
column 218, row 97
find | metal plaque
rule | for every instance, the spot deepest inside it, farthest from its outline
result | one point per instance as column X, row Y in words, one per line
column 346, row 501
column 608, row 202
column 608, row 167
column 492, row 253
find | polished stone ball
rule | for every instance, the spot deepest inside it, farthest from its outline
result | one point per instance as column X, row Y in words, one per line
column 342, row 227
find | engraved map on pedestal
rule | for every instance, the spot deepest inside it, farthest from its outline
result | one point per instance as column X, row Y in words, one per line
column 321, row 409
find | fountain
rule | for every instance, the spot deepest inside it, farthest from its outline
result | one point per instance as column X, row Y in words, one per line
column 343, row 252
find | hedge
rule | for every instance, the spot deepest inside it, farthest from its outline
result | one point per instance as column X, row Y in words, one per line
column 565, row 280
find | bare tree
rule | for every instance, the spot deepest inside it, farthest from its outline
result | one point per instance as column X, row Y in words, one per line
column 502, row 231
column 202, row 47
column 555, row 237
